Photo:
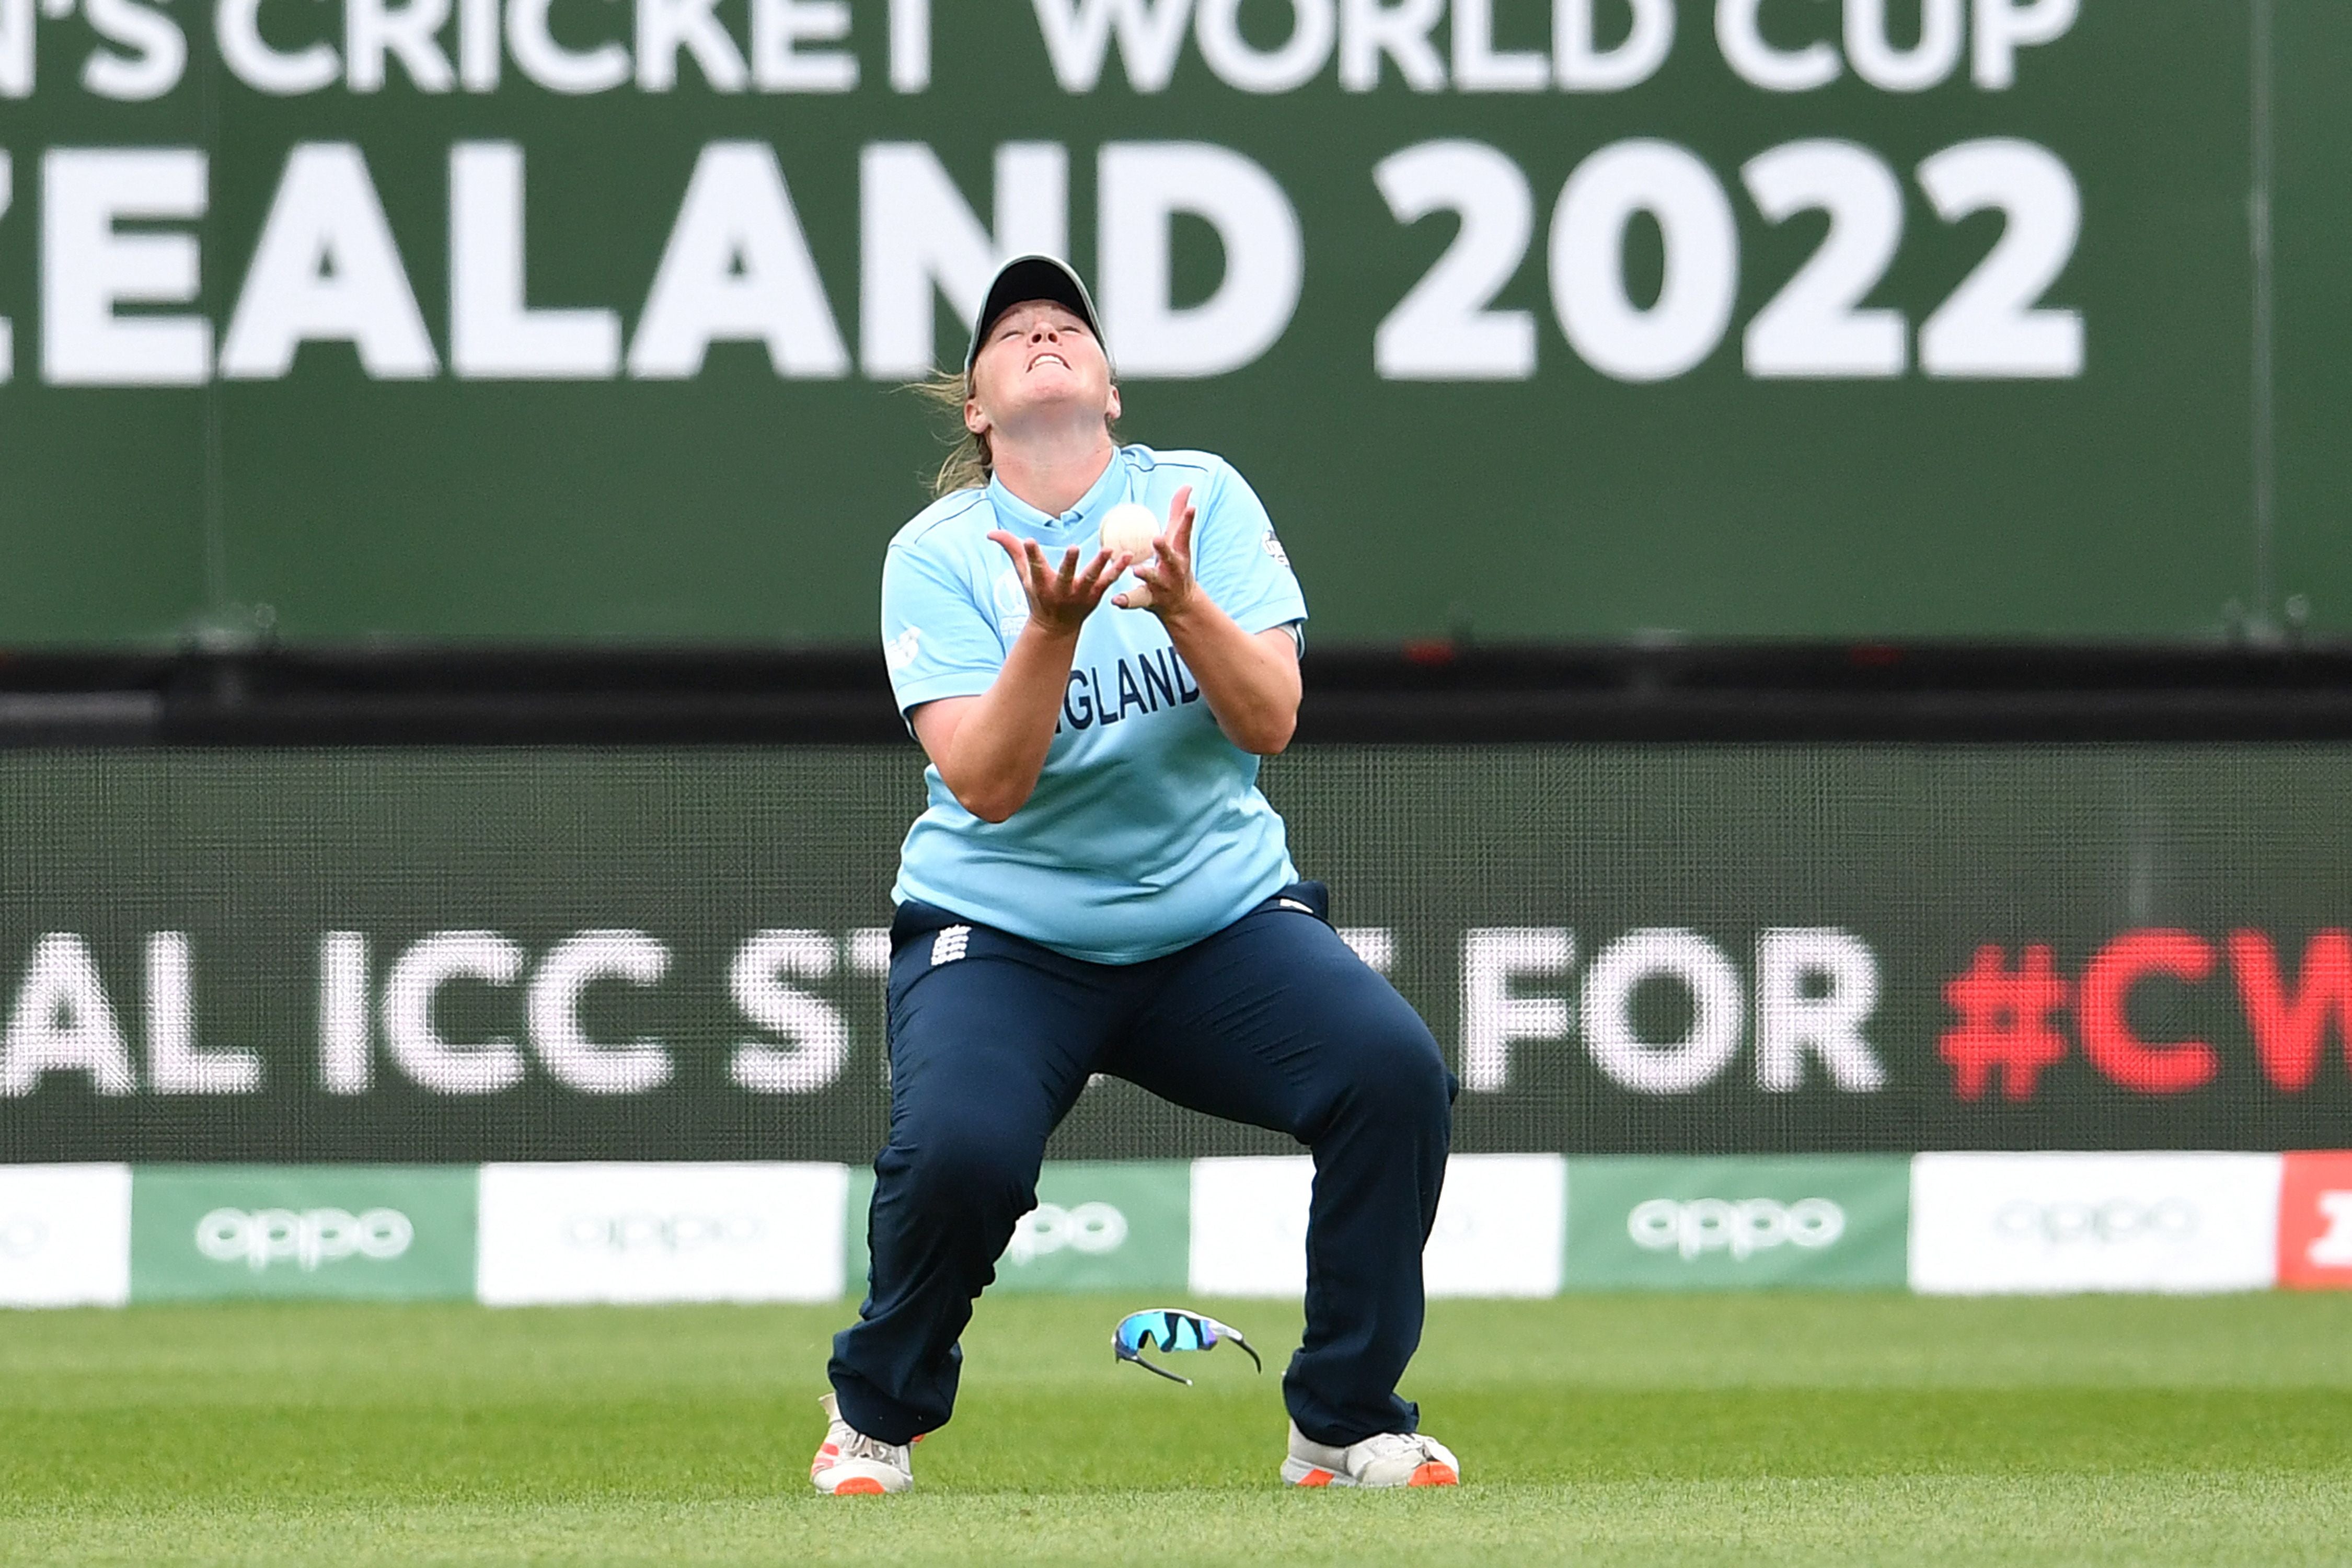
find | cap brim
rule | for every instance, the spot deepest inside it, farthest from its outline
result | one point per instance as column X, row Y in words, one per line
column 1027, row 277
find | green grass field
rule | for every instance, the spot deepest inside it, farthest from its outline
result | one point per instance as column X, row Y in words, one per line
column 1809, row 1429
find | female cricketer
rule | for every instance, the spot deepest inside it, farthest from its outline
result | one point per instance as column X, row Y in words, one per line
column 1099, row 886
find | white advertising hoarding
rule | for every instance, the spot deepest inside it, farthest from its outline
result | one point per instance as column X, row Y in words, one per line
column 1249, row 1226
column 1499, row 1227
column 1988, row 1224
column 65, row 1236
column 553, row 1234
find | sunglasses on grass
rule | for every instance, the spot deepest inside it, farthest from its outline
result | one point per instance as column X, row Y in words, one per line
column 1169, row 1329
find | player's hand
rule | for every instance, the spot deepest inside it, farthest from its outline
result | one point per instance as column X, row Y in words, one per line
column 1060, row 599
column 1168, row 586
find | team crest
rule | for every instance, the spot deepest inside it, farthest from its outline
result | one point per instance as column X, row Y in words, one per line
column 899, row 652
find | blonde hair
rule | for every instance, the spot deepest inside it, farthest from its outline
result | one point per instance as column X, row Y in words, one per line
column 970, row 461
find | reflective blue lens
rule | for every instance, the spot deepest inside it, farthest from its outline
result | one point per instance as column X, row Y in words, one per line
column 1165, row 1329
column 1171, row 1329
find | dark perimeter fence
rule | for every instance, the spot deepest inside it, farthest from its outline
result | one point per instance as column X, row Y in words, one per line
column 451, row 907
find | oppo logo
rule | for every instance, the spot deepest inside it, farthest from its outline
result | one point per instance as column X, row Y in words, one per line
column 672, row 1233
column 2103, row 1223
column 1050, row 1227
column 1742, row 1226
column 21, row 1235
column 307, row 1240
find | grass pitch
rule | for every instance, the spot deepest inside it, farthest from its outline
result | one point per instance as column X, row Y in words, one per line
column 1800, row 1430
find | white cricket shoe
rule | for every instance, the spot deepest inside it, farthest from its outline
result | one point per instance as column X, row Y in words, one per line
column 851, row 1464
column 1383, row 1459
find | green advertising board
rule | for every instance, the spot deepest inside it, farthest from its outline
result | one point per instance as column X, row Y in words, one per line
column 1103, row 1226
column 1809, row 1222
column 375, row 1232
column 540, row 321
column 857, row 1250
column 1099, row 1224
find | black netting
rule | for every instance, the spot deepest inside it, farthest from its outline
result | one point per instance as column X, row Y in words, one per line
column 1625, row 949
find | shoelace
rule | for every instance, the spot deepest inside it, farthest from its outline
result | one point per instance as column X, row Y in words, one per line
column 1387, row 1444
column 856, row 1445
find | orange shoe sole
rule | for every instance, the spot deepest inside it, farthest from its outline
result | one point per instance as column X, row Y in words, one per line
column 1434, row 1474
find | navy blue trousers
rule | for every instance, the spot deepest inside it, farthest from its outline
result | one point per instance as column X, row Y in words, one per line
column 1272, row 1021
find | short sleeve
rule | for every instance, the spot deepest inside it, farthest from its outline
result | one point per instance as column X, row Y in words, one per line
column 936, row 639
column 1237, row 558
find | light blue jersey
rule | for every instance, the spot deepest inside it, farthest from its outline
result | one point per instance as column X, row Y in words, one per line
column 1147, row 831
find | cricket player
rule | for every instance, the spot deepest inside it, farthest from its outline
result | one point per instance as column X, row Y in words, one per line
column 1099, row 886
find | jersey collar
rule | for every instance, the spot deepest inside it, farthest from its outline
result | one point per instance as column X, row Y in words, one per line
column 1019, row 515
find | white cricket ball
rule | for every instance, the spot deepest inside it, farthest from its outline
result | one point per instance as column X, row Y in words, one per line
column 1129, row 529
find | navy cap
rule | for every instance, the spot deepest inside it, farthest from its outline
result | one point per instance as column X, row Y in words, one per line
column 1027, row 277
